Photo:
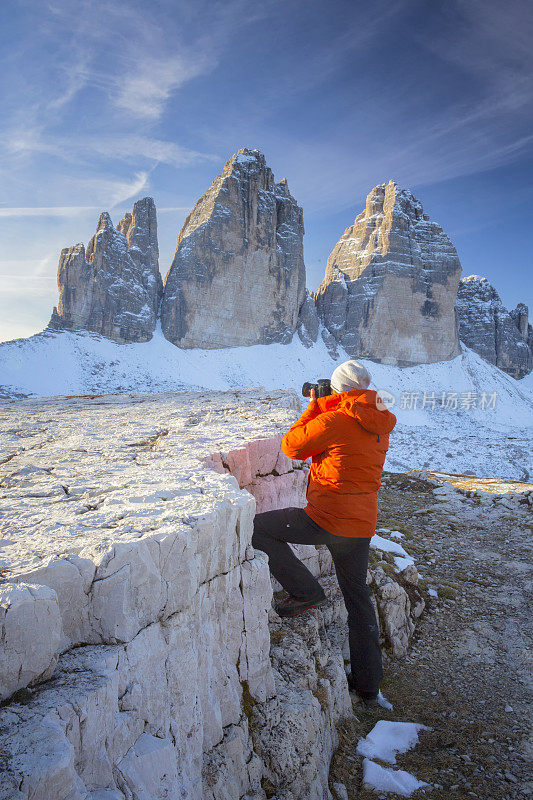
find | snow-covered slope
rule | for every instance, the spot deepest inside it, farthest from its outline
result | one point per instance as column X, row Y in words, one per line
column 463, row 415
column 52, row 363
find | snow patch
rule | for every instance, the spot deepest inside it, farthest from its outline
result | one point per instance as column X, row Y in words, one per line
column 385, row 779
column 384, row 742
column 377, row 542
column 402, row 562
column 387, row 738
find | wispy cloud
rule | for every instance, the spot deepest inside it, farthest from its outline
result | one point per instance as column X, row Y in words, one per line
column 146, row 91
column 76, row 76
column 22, row 142
column 47, row 211
column 487, row 39
column 137, row 60
column 35, row 285
column 101, row 191
column 38, row 275
column 120, row 192
column 135, row 147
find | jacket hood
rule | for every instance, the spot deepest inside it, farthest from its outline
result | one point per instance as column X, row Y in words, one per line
column 361, row 404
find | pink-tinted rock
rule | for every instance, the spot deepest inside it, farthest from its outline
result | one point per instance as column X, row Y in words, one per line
column 279, row 491
column 265, row 454
column 239, row 466
column 215, row 462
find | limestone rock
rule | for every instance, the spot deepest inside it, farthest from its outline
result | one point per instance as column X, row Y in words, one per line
column 30, row 629
column 149, row 769
column 308, row 322
column 410, row 574
column 520, row 317
column 238, row 275
column 176, row 678
column 391, row 282
column 114, row 287
column 488, row 328
column 394, row 611
column 71, row 579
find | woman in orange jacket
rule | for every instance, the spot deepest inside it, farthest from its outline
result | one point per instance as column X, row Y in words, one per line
column 347, row 436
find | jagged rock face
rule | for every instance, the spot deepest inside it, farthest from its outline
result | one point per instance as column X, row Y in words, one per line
column 391, row 283
column 520, row 317
column 488, row 328
column 238, row 274
column 308, row 322
column 114, row 287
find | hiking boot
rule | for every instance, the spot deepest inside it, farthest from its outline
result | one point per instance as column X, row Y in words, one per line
column 291, row 606
column 367, row 699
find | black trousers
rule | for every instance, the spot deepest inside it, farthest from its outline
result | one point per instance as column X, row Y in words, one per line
column 274, row 529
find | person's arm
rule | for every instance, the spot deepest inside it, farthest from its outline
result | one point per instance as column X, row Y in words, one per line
column 309, row 435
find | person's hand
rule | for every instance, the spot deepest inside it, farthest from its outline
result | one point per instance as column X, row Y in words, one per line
column 313, row 396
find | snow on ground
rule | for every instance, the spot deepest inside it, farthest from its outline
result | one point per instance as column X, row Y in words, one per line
column 383, row 702
column 393, row 534
column 52, row 363
column 384, row 741
column 460, row 416
column 385, row 779
column 402, row 559
column 379, row 543
column 403, row 562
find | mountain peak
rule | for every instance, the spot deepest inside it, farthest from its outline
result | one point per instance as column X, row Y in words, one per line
column 238, row 274
column 246, row 156
column 391, row 282
column 114, row 286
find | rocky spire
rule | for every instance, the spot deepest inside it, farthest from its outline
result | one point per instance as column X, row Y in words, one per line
column 238, row 274
column 520, row 317
column 487, row 327
column 114, row 287
column 391, row 283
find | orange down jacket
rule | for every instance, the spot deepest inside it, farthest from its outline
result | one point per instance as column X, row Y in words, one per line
column 347, row 436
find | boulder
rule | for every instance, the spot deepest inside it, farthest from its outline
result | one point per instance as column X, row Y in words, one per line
column 238, row 274
column 391, row 282
column 114, row 287
column 485, row 325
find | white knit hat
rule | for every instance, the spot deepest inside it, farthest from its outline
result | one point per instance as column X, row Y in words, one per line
column 350, row 375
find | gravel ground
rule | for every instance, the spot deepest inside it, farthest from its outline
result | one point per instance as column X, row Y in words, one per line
column 468, row 672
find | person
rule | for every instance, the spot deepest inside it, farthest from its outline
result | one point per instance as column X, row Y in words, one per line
column 346, row 434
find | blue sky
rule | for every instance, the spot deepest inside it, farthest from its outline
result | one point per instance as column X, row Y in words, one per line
column 106, row 102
